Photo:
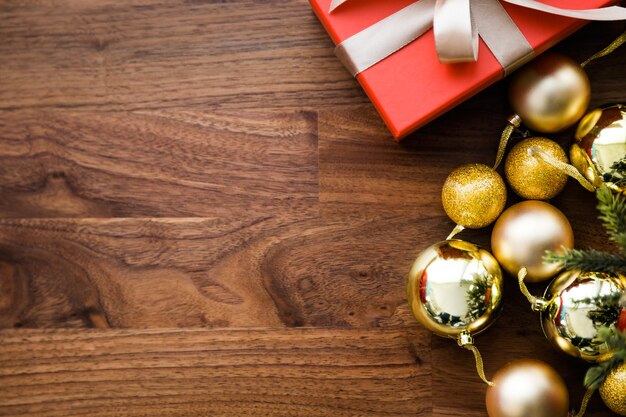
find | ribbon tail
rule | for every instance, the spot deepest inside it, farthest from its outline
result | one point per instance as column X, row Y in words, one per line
column 605, row 13
column 377, row 42
column 335, row 3
column 501, row 34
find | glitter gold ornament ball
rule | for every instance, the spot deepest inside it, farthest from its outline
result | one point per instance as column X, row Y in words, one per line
column 550, row 93
column 473, row 195
column 523, row 234
column 527, row 388
column 529, row 176
column 613, row 390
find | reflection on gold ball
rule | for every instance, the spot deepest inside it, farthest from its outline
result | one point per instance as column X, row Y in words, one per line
column 613, row 390
column 524, row 232
column 574, row 298
column 529, row 176
column 527, row 388
column 455, row 286
column 473, row 195
column 600, row 142
column 550, row 93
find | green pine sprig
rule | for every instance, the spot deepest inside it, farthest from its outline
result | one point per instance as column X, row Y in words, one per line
column 613, row 215
column 615, row 340
column 590, row 260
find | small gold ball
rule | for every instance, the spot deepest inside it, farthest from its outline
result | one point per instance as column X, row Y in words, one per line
column 473, row 195
column 550, row 93
column 529, row 176
column 613, row 390
column 455, row 286
column 527, row 388
column 523, row 234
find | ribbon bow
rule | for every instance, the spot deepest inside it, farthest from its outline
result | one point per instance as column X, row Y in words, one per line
column 456, row 25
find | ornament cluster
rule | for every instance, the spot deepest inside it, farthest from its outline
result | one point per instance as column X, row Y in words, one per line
column 455, row 287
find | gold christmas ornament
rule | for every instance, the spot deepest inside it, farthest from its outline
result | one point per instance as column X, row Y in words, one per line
column 600, row 142
column 527, row 388
column 455, row 287
column 574, row 305
column 613, row 390
column 550, row 93
column 473, row 195
column 524, row 232
column 530, row 176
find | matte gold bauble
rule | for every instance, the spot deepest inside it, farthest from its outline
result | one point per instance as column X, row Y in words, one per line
column 527, row 388
column 453, row 287
column 529, row 176
column 550, row 93
column 473, row 195
column 577, row 304
column 523, row 234
column 600, row 142
column 613, row 390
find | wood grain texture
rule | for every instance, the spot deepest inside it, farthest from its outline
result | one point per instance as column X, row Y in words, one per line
column 146, row 54
column 308, row 372
column 206, row 164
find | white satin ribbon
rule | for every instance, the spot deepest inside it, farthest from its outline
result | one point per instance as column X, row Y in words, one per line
column 457, row 25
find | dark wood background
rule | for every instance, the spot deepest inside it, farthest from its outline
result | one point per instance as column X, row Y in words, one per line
column 201, row 214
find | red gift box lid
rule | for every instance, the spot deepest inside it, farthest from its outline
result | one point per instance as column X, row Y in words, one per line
column 411, row 87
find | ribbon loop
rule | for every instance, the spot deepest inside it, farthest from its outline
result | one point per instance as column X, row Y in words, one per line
column 456, row 38
column 457, row 25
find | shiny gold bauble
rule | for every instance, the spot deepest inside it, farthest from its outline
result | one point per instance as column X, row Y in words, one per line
column 600, row 142
column 523, row 234
column 577, row 304
column 527, row 388
column 613, row 390
column 529, row 176
column 473, row 195
column 455, row 286
column 550, row 93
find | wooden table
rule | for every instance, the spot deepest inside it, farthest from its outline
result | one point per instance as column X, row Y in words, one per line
column 201, row 214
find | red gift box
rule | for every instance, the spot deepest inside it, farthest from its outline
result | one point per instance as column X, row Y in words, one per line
column 411, row 87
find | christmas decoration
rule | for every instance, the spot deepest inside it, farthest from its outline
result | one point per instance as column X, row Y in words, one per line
column 574, row 307
column 613, row 390
column 454, row 289
column 551, row 93
column 527, row 388
column 531, row 177
column 600, row 149
column 524, row 232
column 613, row 215
column 398, row 60
column 610, row 376
column 473, row 195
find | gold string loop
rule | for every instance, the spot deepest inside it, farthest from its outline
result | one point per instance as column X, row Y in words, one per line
column 612, row 46
column 566, row 169
column 513, row 122
column 457, row 229
column 466, row 341
column 537, row 304
column 585, row 402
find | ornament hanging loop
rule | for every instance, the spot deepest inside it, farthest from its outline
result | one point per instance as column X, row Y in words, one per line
column 612, row 46
column 536, row 303
column 457, row 229
column 466, row 341
column 585, row 402
column 566, row 169
column 513, row 122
